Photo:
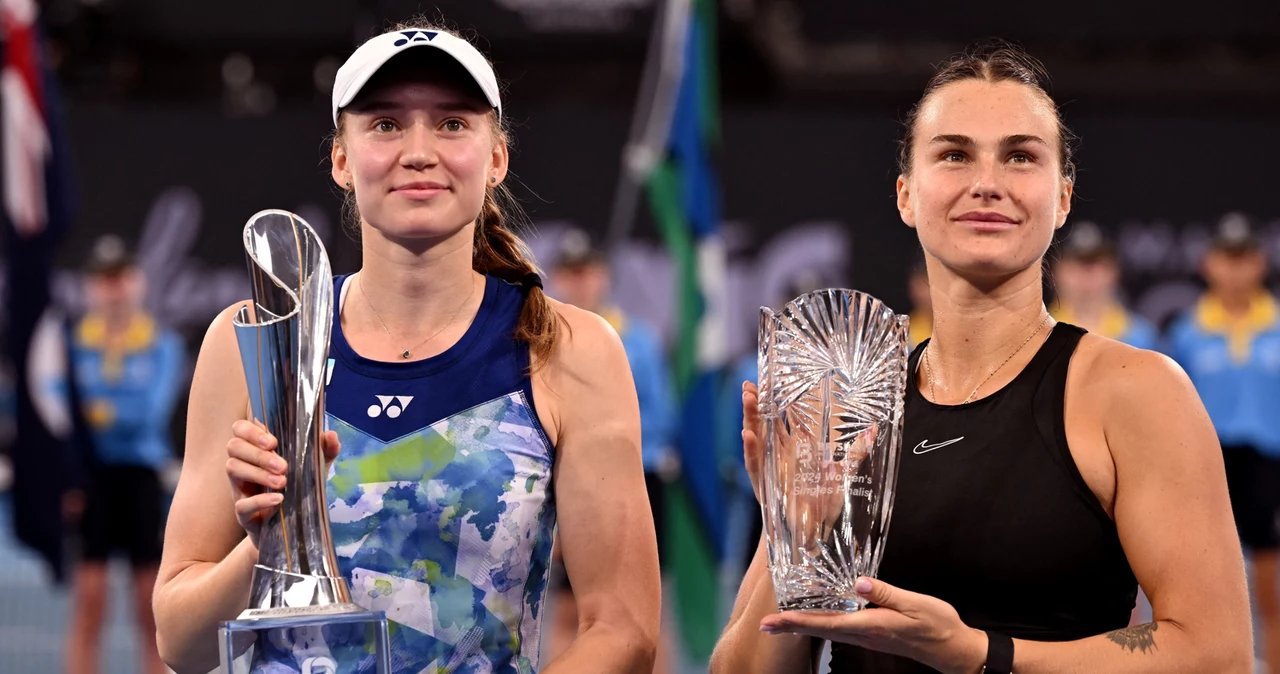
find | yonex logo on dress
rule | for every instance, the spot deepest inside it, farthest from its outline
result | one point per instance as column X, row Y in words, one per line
column 415, row 36
column 385, row 405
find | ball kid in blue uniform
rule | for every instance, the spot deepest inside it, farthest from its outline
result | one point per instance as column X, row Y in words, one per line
column 1086, row 280
column 128, row 368
column 1229, row 343
column 581, row 276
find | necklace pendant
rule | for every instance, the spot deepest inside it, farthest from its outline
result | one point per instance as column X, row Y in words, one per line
column 405, row 355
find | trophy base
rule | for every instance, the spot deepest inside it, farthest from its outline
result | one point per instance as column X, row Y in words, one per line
column 293, row 611
column 823, row 604
column 306, row 641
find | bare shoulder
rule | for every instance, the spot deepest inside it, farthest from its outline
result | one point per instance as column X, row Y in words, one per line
column 220, row 337
column 1144, row 399
column 588, row 349
column 1115, row 371
column 222, row 327
column 587, row 379
column 218, row 373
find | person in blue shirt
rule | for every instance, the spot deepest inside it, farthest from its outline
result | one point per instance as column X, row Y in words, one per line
column 1086, row 279
column 1229, row 343
column 580, row 275
column 746, row 368
column 728, row 438
column 128, row 369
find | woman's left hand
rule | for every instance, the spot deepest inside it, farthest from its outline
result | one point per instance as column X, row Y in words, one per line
column 916, row 626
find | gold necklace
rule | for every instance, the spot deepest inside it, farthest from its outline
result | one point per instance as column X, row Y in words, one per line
column 408, row 352
column 929, row 364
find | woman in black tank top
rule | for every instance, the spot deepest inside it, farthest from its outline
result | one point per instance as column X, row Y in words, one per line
column 1045, row 472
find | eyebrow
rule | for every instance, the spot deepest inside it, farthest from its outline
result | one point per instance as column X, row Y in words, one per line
column 965, row 141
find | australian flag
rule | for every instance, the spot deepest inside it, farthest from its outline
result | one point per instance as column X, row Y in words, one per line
column 36, row 216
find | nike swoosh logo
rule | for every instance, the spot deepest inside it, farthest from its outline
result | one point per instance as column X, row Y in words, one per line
column 924, row 447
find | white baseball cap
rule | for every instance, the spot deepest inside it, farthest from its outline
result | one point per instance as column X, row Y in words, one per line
column 372, row 55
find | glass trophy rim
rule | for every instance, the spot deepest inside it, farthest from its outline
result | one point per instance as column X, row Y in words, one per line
column 792, row 304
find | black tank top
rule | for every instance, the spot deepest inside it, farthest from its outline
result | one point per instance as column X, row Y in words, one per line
column 993, row 516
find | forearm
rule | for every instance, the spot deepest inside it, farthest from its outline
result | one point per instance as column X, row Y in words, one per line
column 1161, row 647
column 190, row 605
column 743, row 648
column 606, row 648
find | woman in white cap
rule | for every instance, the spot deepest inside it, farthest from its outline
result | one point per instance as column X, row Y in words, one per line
column 460, row 399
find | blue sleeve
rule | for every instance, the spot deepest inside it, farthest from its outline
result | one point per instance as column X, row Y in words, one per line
column 79, row 449
column 154, row 408
column 1142, row 334
column 729, row 415
column 655, row 394
column 1174, row 343
column 169, row 380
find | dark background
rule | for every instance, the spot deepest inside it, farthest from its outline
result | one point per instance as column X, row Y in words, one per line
column 176, row 145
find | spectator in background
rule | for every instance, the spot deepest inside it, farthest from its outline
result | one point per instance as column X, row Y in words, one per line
column 1229, row 344
column 581, row 276
column 921, row 307
column 127, row 371
column 1086, row 279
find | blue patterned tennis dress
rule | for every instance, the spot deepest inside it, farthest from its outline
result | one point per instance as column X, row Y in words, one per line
column 440, row 501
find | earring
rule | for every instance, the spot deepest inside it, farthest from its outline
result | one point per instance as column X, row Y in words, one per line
column 493, row 179
column 348, row 184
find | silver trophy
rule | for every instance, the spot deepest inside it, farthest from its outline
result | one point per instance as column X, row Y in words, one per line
column 300, row 615
column 833, row 374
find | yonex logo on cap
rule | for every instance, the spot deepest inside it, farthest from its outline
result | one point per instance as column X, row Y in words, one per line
column 364, row 63
column 415, row 36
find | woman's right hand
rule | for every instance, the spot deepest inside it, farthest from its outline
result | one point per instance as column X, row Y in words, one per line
column 254, row 467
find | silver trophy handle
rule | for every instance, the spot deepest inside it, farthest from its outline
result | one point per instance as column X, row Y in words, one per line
column 284, row 347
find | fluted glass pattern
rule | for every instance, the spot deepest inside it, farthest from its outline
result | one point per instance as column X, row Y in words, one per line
column 833, row 369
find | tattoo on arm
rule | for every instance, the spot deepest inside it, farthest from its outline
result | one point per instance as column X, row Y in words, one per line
column 1137, row 638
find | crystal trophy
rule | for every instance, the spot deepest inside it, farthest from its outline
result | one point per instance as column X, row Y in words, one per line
column 300, row 617
column 833, row 374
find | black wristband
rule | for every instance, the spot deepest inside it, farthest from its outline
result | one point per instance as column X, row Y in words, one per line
column 999, row 654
